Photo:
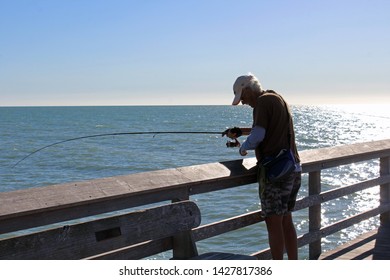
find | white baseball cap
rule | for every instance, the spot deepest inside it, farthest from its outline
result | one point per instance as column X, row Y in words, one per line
column 241, row 83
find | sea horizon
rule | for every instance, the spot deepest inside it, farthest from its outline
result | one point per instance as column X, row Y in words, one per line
column 189, row 105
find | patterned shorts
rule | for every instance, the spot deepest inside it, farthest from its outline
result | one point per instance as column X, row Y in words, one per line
column 279, row 198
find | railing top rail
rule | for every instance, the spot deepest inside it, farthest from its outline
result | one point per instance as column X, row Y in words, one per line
column 317, row 159
column 74, row 200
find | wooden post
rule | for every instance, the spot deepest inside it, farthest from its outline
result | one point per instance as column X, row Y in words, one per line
column 385, row 188
column 183, row 244
column 315, row 214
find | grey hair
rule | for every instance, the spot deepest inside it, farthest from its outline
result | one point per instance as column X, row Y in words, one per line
column 254, row 83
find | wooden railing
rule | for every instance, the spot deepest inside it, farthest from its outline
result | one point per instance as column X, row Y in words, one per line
column 29, row 208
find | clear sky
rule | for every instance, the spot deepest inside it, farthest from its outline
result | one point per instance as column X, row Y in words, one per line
column 151, row 52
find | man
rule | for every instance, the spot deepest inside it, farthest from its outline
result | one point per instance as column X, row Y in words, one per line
column 272, row 131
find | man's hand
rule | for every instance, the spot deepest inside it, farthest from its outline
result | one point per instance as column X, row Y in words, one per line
column 232, row 133
column 243, row 152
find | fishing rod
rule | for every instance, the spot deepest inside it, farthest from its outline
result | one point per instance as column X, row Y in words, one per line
column 154, row 133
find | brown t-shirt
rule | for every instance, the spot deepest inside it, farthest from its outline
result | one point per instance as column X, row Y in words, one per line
column 271, row 114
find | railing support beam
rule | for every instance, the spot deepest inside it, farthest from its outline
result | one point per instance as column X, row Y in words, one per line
column 385, row 188
column 315, row 214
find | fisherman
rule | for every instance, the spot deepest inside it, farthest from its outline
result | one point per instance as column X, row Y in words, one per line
column 272, row 130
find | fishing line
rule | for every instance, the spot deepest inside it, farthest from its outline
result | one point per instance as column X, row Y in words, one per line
column 154, row 133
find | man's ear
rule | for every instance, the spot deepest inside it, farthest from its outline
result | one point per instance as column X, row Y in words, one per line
column 246, row 90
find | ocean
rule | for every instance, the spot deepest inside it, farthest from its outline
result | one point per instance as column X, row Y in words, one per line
column 23, row 130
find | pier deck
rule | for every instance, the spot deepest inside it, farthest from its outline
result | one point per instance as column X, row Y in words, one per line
column 373, row 245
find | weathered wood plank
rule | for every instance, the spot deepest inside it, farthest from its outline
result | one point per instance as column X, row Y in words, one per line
column 314, row 199
column 323, row 158
column 223, row 256
column 335, row 227
column 200, row 233
column 137, row 251
column 373, row 245
column 263, row 254
column 358, row 249
column 40, row 206
column 103, row 235
column 73, row 194
column 227, row 225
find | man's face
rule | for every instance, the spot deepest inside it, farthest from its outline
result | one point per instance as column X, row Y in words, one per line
column 248, row 97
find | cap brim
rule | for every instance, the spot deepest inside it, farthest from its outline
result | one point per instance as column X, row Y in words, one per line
column 237, row 99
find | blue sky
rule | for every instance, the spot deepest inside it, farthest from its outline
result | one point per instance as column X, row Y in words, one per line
column 117, row 52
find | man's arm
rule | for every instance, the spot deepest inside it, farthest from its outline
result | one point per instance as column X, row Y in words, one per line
column 232, row 132
column 255, row 137
column 246, row 130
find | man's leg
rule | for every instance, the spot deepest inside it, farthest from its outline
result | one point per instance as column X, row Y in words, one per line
column 290, row 234
column 275, row 235
column 290, row 237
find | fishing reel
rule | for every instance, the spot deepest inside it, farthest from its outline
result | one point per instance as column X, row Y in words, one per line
column 235, row 130
column 233, row 144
